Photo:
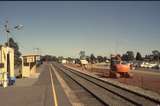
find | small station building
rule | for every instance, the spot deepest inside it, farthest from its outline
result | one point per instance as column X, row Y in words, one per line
column 29, row 62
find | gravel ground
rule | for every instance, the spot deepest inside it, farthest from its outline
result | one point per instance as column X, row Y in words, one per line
column 142, row 82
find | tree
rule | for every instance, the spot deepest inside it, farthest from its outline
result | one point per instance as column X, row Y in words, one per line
column 149, row 58
column 128, row 56
column 54, row 58
column 105, row 59
column 70, row 59
column 82, row 55
column 49, row 58
column 88, row 58
column 92, row 58
column 156, row 55
column 138, row 56
column 17, row 53
column 100, row 59
column 124, row 57
column 60, row 58
column 77, row 61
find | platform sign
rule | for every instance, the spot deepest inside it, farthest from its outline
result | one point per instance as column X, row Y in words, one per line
column 30, row 59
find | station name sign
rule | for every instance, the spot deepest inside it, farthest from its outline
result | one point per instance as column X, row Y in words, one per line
column 30, row 59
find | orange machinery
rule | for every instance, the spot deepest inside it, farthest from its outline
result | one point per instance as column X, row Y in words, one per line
column 121, row 70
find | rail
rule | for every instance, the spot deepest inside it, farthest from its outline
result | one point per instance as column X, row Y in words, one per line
column 130, row 96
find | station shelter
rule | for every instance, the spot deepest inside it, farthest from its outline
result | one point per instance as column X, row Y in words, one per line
column 29, row 62
column 6, row 65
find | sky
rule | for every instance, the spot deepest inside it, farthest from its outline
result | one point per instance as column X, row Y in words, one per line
column 64, row 28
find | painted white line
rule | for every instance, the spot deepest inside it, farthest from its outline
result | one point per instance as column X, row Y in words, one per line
column 53, row 89
column 69, row 93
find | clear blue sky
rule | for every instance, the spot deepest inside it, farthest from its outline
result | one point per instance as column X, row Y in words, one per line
column 66, row 27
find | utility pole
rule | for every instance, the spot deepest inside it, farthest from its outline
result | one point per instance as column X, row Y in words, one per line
column 9, row 55
column 158, row 59
column 7, row 30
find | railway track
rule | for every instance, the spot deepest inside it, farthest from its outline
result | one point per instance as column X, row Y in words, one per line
column 108, row 93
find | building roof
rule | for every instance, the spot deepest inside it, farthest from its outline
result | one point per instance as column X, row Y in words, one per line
column 3, row 46
column 30, row 54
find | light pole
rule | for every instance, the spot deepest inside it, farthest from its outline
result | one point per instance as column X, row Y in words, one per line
column 8, row 30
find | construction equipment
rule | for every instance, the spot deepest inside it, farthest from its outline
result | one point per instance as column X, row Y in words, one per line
column 118, row 69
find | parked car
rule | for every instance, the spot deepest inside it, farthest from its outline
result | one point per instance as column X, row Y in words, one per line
column 144, row 64
column 152, row 65
column 148, row 65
